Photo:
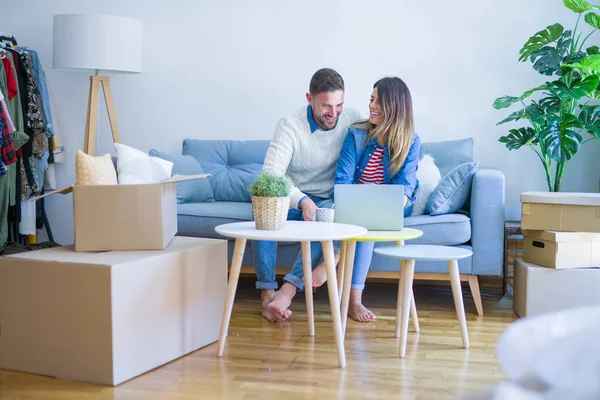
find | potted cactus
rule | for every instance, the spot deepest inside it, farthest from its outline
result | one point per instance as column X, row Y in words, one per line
column 270, row 200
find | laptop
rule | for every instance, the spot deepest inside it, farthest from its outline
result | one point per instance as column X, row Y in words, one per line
column 374, row 207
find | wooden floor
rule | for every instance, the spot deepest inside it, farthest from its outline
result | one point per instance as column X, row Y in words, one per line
column 280, row 361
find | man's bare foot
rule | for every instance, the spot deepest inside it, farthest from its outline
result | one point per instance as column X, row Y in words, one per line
column 266, row 296
column 319, row 274
column 359, row 313
column 278, row 307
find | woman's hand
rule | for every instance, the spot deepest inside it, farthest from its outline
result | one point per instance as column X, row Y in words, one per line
column 405, row 200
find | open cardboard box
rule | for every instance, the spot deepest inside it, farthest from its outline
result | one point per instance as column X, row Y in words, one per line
column 125, row 217
column 561, row 250
column 556, row 211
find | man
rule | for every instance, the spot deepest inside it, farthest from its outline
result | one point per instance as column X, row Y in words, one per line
column 306, row 147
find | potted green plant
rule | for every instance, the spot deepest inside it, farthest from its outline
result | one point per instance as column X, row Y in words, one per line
column 270, row 200
column 561, row 113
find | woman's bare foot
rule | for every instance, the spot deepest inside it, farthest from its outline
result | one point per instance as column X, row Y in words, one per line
column 267, row 296
column 356, row 310
column 360, row 313
column 281, row 301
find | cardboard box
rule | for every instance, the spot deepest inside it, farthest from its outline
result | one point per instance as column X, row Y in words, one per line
column 125, row 217
column 561, row 249
column 539, row 289
column 551, row 211
column 107, row 317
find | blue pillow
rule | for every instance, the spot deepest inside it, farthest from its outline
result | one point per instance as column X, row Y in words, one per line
column 196, row 191
column 453, row 190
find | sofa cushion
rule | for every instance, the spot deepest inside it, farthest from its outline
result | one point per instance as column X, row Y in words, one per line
column 194, row 191
column 453, row 191
column 200, row 219
column 234, row 164
column 447, row 229
column 449, row 154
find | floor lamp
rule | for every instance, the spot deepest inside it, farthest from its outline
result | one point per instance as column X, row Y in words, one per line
column 98, row 43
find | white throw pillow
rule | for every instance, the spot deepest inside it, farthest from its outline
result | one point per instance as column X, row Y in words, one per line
column 429, row 176
column 136, row 167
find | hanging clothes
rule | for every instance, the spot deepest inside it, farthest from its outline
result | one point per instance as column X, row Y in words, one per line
column 7, row 39
column 11, row 106
column 2, row 166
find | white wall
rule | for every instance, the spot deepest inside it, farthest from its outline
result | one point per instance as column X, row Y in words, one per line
column 230, row 69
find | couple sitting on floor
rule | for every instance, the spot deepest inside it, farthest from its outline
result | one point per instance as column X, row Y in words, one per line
column 320, row 145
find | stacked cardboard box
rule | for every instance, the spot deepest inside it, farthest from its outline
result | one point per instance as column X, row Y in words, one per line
column 561, row 252
column 128, row 297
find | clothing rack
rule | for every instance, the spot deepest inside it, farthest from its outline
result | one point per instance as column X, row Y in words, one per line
column 28, row 143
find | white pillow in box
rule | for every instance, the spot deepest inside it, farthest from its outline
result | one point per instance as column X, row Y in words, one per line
column 429, row 176
column 136, row 167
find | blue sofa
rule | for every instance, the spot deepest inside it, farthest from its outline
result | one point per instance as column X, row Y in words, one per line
column 235, row 164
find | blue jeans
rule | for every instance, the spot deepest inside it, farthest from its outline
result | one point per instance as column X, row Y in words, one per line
column 265, row 254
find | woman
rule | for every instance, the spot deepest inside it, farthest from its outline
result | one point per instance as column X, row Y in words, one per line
column 381, row 150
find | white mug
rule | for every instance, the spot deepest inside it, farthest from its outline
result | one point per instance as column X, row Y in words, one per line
column 324, row 215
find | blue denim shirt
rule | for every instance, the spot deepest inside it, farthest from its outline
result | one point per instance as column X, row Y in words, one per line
column 356, row 154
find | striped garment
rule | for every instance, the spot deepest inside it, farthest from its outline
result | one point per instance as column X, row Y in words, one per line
column 373, row 172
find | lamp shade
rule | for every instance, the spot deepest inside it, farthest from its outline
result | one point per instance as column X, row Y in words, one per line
column 97, row 42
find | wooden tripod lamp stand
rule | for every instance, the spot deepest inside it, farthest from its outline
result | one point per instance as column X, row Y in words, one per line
column 89, row 142
column 97, row 43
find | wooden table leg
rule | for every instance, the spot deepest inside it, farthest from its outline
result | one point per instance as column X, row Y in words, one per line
column 308, row 293
column 340, row 268
column 408, row 271
column 413, row 306
column 334, row 300
column 234, row 275
column 458, row 300
column 349, row 267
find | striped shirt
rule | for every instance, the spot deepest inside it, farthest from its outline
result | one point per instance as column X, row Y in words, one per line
column 373, row 172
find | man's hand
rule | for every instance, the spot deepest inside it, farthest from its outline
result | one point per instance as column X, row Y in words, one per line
column 309, row 209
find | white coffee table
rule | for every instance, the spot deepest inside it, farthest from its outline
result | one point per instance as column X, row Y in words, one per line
column 408, row 255
column 294, row 231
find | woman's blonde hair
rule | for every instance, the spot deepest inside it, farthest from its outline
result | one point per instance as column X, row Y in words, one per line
column 397, row 128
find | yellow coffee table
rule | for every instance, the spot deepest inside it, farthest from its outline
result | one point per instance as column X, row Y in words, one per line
column 346, row 266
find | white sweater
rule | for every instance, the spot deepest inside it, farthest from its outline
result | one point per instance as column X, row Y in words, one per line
column 309, row 159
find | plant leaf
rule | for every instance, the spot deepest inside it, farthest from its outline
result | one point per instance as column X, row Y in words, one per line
column 518, row 138
column 559, row 139
column 547, row 60
column 517, row 115
column 575, row 57
column 535, row 113
column 504, row 102
column 550, row 104
column 571, row 59
column 590, row 120
column 590, row 64
column 592, row 50
column 578, row 6
column 529, row 92
column 540, row 39
column 593, row 20
column 577, row 90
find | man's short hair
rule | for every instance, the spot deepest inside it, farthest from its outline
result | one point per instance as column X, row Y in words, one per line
column 325, row 80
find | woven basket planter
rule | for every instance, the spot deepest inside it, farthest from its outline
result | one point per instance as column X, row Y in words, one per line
column 270, row 213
